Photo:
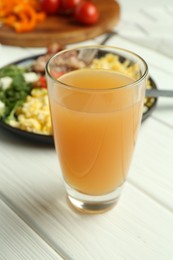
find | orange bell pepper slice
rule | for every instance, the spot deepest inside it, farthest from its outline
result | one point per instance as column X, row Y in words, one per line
column 22, row 15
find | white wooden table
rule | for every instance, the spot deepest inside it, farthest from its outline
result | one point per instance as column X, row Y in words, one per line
column 35, row 220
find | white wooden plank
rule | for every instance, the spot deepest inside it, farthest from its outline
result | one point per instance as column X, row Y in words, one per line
column 138, row 221
column 18, row 241
column 148, row 23
column 152, row 166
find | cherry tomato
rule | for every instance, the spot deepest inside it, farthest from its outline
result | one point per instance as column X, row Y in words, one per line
column 69, row 4
column 57, row 74
column 42, row 82
column 50, row 6
column 87, row 13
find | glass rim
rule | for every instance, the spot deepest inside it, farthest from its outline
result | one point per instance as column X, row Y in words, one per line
column 107, row 47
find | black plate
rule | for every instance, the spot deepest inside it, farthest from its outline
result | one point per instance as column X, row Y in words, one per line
column 48, row 139
column 150, row 102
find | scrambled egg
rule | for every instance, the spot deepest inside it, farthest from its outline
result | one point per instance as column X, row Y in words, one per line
column 34, row 114
column 111, row 61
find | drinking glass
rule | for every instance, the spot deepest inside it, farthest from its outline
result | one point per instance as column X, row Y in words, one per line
column 96, row 96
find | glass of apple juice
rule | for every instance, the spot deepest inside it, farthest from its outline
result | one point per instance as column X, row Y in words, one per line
column 96, row 96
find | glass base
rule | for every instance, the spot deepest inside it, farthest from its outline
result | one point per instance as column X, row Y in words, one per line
column 88, row 204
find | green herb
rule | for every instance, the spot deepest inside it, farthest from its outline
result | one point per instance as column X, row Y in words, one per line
column 16, row 93
column 11, row 71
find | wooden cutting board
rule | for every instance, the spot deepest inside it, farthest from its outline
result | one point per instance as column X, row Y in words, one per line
column 64, row 29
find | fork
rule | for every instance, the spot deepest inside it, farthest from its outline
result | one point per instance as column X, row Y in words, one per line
column 88, row 55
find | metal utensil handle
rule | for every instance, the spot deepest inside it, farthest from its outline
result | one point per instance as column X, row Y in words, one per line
column 158, row 93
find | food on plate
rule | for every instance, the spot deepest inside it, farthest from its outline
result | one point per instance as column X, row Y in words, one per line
column 39, row 64
column 23, row 90
column 113, row 62
column 24, row 100
column 34, row 114
column 13, row 89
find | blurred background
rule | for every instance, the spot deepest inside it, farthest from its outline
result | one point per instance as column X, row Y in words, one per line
column 149, row 23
